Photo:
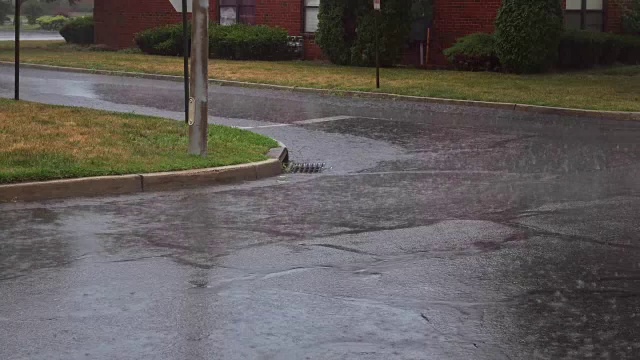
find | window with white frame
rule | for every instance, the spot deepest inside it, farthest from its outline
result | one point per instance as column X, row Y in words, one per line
column 311, row 10
column 585, row 15
column 237, row 12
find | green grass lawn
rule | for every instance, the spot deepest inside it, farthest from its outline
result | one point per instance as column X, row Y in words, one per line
column 616, row 88
column 44, row 142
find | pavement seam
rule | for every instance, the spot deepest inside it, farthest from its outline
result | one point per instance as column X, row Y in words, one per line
column 550, row 110
column 140, row 183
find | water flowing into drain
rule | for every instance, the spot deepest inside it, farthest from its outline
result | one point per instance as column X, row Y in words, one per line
column 311, row 168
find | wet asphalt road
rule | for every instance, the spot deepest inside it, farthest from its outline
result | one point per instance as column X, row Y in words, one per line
column 437, row 232
column 30, row 35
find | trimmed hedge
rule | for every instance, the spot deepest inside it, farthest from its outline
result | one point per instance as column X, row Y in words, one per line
column 237, row 42
column 475, row 52
column 528, row 33
column 162, row 40
column 247, row 42
column 78, row 31
column 585, row 49
column 629, row 49
column 52, row 23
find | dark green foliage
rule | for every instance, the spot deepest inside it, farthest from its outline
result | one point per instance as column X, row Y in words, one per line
column 246, row 42
column 238, row 42
column 585, row 49
column 629, row 49
column 528, row 34
column 347, row 31
column 332, row 32
column 52, row 23
column 581, row 49
column 422, row 9
column 6, row 8
column 475, row 52
column 32, row 10
column 631, row 18
column 78, row 31
column 394, row 25
column 162, row 40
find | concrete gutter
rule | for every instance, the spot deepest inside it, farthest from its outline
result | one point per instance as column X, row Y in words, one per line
column 607, row 115
column 137, row 183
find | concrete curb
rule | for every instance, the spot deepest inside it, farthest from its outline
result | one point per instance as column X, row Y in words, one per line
column 136, row 183
column 607, row 115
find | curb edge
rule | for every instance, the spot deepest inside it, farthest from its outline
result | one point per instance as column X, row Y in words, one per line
column 142, row 183
column 549, row 110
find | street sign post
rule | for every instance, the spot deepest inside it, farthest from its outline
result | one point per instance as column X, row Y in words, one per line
column 184, row 7
column 17, row 20
column 376, row 7
column 179, row 5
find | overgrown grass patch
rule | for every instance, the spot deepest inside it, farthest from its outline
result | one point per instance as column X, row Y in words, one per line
column 43, row 142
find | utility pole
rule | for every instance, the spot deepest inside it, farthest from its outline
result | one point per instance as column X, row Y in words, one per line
column 376, row 8
column 185, row 45
column 198, row 126
column 17, row 20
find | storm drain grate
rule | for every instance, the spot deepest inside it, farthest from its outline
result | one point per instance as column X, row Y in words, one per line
column 312, row 168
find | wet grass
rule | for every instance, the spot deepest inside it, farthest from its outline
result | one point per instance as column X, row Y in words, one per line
column 44, row 142
column 616, row 88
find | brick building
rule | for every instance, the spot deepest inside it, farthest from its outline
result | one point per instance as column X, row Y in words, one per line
column 118, row 20
column 456, row 18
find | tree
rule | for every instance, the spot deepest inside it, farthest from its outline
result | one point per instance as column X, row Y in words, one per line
column 32, row 10
column 631, row 18
column 528, row 34
column 347, row 31
column 422, row 9
column 6, row 8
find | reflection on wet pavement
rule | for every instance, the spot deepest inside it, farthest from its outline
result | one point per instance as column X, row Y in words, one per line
column 435, row 233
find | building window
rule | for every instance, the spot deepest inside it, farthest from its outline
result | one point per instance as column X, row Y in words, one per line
column 585, row 15
column 311, row 9
column 237, row 12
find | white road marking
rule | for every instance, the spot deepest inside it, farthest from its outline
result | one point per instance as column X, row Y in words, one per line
column 262, row 127
column 321, row 120
column 303, row 122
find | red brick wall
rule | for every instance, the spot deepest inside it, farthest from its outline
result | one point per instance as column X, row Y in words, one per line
column 117, row 21
column 312, row 50
column 615, row 9
column 457, row 18
column 283, row 13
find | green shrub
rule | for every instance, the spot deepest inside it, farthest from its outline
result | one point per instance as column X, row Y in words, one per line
column 528, row 34
column 629, row 49
column 246, row 42
column 162, row 40
column 475, row 52
column 347, row 31
column 52, row 23
column 6, row 8
column 238, row 42
column 585, row 49
column 394, row 27
column 332, row 34
column 611, row 49
column 631, row 18
column 78, row 31
column 581, row 49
